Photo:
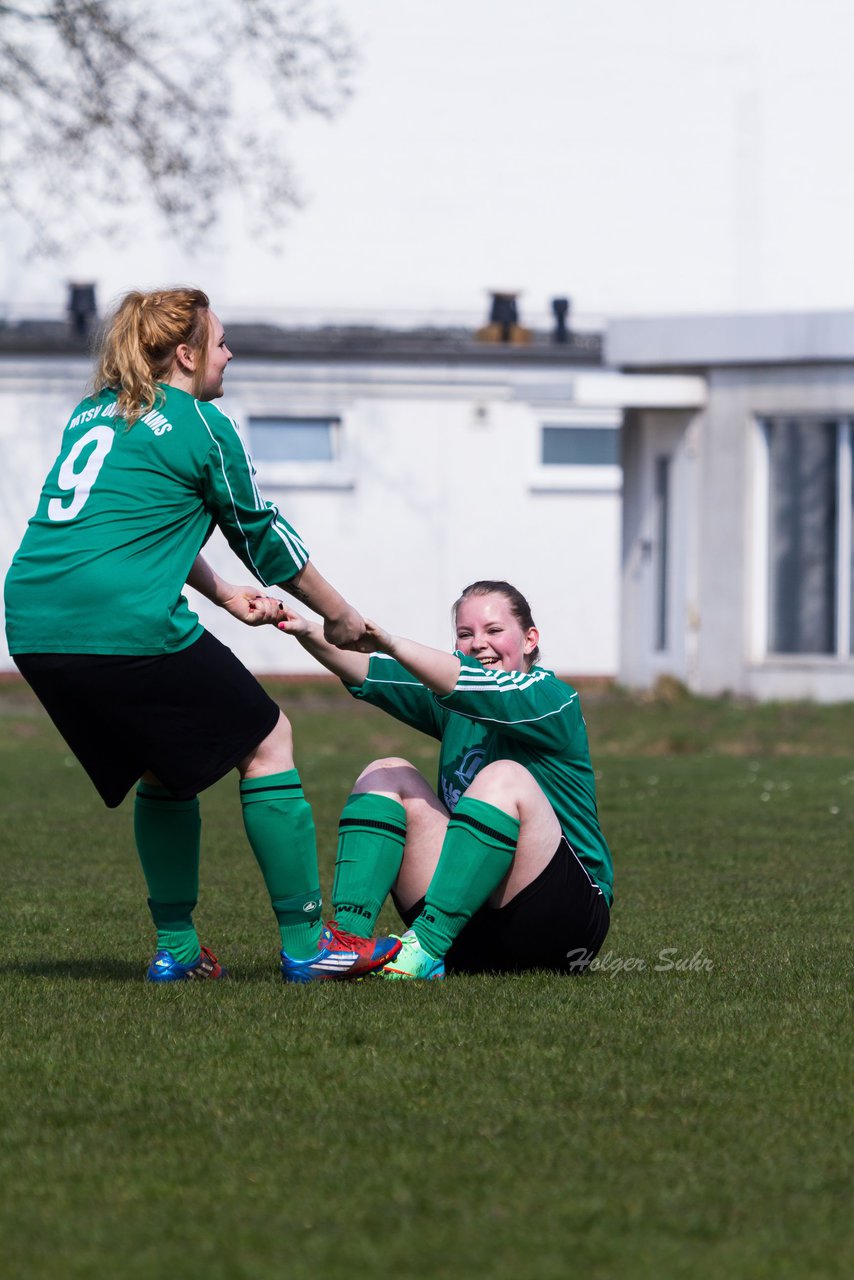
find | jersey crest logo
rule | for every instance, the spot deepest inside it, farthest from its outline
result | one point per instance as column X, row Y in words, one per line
column 469, row 766
column 465, row 772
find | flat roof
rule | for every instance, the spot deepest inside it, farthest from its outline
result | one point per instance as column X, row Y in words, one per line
column 698, row 342
column 338, row 342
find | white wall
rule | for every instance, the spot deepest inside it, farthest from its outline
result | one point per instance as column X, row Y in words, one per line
column 439, row 483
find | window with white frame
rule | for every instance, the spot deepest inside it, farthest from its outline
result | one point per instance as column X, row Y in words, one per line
column 567, row 446
column 577, row 452
column 294, row 439
column 303, row 451
column 810, row 565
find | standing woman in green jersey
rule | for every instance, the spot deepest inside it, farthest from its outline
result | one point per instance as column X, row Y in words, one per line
column 506, row 868
column 98, row 624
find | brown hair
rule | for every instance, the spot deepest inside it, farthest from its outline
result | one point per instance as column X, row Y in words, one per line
column 519, row 606
column 139, row 341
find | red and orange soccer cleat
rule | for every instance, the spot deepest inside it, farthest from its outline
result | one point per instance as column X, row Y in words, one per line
column 341, row 955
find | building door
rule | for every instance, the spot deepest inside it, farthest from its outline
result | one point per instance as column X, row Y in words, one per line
column 657, row 548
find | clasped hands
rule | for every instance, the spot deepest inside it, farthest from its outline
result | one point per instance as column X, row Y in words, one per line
column 373, row 638
column 257, row 610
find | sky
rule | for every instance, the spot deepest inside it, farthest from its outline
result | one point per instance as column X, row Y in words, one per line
column 666, row 157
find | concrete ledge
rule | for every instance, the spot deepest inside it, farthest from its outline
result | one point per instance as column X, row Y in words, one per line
column 664, row 342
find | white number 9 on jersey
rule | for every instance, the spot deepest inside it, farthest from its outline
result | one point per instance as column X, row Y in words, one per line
column 79, row 483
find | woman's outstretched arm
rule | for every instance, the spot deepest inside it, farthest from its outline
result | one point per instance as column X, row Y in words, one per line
column 349, row 666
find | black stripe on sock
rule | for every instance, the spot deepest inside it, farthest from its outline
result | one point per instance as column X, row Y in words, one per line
column 284, row 786
column 462, row 819
column 362, row 823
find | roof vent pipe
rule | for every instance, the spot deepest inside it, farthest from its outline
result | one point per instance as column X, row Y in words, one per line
column 82, row 307
column 560, row 311
column 503, row 323
column 504, row 313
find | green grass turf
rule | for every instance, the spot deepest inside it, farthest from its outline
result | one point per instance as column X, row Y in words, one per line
column 672, row 1115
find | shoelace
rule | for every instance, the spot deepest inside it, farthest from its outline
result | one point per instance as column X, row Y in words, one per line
column 349, row 941
column 207, row 963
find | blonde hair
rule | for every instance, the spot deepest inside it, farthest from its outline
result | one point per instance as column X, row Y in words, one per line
column 139, row 341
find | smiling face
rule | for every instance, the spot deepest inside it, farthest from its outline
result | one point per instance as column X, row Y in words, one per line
column 208, row 376
column 487, row 629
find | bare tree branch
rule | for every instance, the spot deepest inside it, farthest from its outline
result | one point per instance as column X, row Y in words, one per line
column 111, row 104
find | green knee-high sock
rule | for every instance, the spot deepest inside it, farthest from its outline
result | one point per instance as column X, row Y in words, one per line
column 371, row 836
column 168, row 837
column 280, row 827
column 477, row 853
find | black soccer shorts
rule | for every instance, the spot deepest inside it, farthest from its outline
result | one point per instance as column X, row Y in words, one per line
column 559, row 922
column 188, row 717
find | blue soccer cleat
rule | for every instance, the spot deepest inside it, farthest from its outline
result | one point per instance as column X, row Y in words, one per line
column 413, row 962
column 165, row 968
column 340, row 955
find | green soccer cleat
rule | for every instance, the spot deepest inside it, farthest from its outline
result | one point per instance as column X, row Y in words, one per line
column 412, row 961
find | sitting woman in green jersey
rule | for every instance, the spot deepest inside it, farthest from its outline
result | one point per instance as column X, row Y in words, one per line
column 506, row 868
column 98, row 624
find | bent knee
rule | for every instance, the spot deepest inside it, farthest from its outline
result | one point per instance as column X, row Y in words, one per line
column 502, row 777
column 385, row 764
column 275, row 754
column 508, row 785
column 282, row 733
column 392, row 775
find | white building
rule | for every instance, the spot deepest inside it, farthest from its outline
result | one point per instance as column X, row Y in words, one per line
column 682, row 508
column 412, row 462
column 737, row 556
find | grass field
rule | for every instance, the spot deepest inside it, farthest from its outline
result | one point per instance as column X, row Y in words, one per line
column 683, row 1112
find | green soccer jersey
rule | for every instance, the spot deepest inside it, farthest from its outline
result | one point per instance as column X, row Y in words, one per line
column 122, row 516
column 527, row 716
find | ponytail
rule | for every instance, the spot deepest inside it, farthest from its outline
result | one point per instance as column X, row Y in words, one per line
column 139, row 342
